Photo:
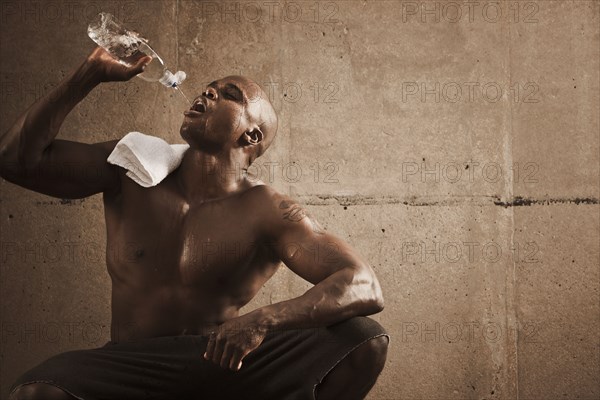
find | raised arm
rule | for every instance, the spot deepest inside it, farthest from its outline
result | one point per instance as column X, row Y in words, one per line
column 345, row 284
column 31, row 157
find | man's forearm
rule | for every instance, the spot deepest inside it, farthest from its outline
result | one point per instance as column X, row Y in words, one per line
column 344, row 294
column 25, row 142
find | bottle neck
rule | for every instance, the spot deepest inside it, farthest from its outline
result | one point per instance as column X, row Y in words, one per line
column 168, row 79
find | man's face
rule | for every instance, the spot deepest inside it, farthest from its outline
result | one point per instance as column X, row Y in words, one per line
column 220, row 114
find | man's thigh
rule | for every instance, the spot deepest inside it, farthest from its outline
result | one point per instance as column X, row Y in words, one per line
column 287, row 365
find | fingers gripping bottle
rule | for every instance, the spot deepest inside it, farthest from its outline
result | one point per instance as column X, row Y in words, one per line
column 125, row 45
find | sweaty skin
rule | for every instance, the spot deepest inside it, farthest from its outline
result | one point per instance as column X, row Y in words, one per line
column 186, row 255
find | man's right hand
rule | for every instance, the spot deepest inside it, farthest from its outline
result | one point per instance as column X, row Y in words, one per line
column 109, row 69
column 32, row 158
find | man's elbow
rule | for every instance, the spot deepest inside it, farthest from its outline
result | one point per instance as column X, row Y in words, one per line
column 373, row 298
column 377, row 303
column 15, row 159
column 372, row 306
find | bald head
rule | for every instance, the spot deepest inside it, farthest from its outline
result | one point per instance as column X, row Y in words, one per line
column 259, row 111
column 233, row 114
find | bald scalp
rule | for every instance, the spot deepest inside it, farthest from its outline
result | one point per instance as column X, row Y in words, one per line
column 259, row 111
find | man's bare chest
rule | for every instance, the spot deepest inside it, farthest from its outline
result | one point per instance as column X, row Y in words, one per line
column 166, row 238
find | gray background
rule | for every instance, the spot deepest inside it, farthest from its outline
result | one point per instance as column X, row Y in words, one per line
column 456, row 148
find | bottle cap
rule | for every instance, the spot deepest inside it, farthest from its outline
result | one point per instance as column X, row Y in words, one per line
column 171, row 80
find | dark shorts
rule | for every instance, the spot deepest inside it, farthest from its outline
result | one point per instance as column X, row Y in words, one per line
column 287, row 365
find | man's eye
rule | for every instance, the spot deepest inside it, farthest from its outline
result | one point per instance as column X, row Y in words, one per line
column 231, row 96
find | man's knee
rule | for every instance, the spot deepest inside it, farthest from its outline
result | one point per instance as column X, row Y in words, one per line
column 356, row 373
column 371, row 353
column 39, row 391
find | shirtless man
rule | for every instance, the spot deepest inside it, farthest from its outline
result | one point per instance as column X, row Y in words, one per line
column 176, row 277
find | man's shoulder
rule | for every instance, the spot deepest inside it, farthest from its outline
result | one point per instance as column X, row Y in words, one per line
column 278, row 211
column 268, row 197
column 271, row 206
column 261, row 195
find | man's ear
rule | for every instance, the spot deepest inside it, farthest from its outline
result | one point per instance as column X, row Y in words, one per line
column 255, row 136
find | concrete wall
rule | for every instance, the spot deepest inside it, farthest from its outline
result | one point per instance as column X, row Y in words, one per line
column 456, row 146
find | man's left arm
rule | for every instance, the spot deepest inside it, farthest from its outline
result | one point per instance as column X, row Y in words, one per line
column 345, row 285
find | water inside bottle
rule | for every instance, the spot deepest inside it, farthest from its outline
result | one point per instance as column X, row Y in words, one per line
column 110, row 34
column 127, row 46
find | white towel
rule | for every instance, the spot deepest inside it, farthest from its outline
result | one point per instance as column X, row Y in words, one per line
column 147, row 159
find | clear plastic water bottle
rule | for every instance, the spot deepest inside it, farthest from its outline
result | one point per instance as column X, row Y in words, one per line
column 125, row 45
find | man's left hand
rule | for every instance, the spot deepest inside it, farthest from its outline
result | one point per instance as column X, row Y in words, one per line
column 233, row 341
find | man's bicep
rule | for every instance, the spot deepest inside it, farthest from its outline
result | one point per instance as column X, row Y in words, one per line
column 69, row 169
column 306, row 248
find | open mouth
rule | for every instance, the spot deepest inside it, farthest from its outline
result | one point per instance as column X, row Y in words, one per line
column 197, row 109
column 198, row 106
